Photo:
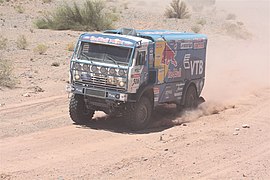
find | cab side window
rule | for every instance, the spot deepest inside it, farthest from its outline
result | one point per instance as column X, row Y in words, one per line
column 140, row 60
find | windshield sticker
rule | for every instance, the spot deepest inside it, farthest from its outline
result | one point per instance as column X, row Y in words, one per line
column 108, row 40
column 85, row 48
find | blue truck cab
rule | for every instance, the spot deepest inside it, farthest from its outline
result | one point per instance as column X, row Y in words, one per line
column 130, row 72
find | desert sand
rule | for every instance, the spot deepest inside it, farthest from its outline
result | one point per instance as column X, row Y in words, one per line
column 39, row 141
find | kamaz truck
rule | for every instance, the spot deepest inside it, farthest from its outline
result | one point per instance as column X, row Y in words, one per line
column 129, row 73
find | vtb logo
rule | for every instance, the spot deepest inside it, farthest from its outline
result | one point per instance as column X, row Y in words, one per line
column 195, row 66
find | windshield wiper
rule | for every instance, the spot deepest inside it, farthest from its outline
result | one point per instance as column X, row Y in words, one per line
column 111, row 59
column 90, row 58
column 87, row 57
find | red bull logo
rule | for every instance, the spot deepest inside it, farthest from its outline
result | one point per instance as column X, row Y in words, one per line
column 169, row 56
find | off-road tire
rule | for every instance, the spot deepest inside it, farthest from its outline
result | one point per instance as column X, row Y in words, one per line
column 139, row 114
column 78, row 111
column 191, row 98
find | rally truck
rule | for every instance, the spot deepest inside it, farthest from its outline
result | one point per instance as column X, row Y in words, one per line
column 130, row 72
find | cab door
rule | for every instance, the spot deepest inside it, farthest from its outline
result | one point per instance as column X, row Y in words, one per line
column 139, row 72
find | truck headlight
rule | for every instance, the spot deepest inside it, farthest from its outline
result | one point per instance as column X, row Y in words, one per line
column 112, row 80
column 94, row 69
column 122, row 84
column 85, row 67
column 103, row 70
column 77, row 76
column 121, row 72
column 112, row 71
column 78, row 66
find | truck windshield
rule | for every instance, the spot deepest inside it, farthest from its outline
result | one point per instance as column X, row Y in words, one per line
column 107, row 53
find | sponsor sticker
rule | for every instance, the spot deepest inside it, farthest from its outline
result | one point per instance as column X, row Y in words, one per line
column 199, row 45
column 176, row 73
column 186, row 45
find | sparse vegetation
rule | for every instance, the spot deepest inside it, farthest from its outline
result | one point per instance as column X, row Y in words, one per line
column 231, row 16
column 41, row 49
column 3, row 42
column 6, row 78
column 22, row 42
column 19, row 9
column 55, row 64
column 46, row 1
column 237, row 31
column 201, row 21
column 70, row 46
column 125, row 5
column 89, row 16
column 178, row 9
column 196, row 28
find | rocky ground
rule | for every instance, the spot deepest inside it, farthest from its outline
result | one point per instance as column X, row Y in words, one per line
column 225, row 138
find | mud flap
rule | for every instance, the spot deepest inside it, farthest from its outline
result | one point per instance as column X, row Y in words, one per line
column 201, row 100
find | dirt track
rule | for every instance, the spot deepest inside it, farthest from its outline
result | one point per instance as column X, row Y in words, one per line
column 204, row 148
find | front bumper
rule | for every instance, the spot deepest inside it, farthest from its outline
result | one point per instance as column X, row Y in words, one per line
column 97, row 93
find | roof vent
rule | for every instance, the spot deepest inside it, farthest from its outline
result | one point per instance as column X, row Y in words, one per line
column 128, row 31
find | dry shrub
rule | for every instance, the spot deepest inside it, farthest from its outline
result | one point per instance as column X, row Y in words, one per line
column 237, row 31
column 178, row 9
column 46, row 1
column 89, row 16
column 199, row 5
column 3, row 42
column 231, row 16
column 196, row 28
column 70, row 46
column 55, row 64
column 19, row 9
column 6, row 77
column 41, row 49
column 201, row 21
column 22, row 42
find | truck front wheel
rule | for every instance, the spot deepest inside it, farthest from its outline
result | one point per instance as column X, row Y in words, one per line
column 139, row 114
column 78, row 111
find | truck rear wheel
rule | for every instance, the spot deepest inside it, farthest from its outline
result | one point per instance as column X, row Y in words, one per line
column 139, row 114
column 191, row 98
column 78, row 111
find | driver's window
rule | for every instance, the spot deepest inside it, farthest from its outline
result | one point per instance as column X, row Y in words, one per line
column 140, row 60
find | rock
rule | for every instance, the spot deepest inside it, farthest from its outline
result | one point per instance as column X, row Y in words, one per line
column 166, row 149
column 2, row 104
column 235, row 134
column 245, row 126
column 184, row 124
column 237, row 129
column 26, row 95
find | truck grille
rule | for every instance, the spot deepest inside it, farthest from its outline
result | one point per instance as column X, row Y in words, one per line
column 99, row 82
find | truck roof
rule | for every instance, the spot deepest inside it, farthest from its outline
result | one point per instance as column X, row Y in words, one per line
column 156, row 35
column 159, row 35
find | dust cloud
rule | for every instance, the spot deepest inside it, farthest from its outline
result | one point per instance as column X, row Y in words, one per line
column 236, row 67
